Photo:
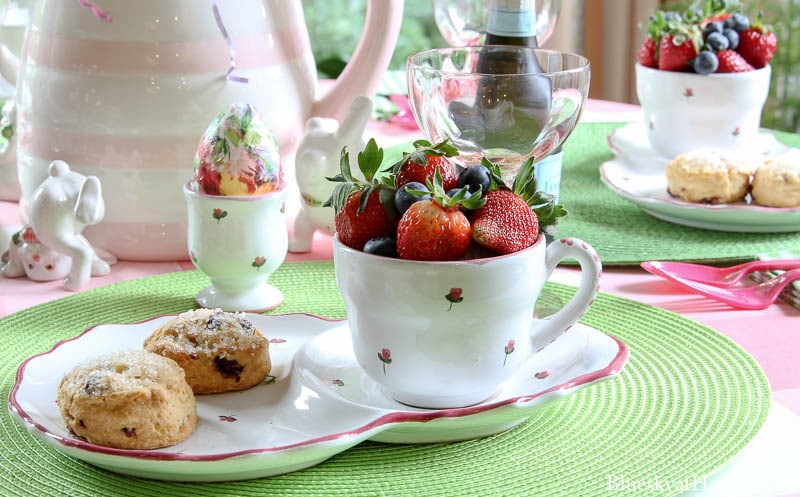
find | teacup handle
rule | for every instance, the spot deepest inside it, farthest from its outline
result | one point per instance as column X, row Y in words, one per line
column 557, row 324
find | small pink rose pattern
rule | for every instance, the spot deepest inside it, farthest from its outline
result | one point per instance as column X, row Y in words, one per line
column 385, row 356
column 508, row 350
column 228, row 418
column 258, row 262
column 541, row 375
column 219, row 214
column 454, row 297
column 337, row 382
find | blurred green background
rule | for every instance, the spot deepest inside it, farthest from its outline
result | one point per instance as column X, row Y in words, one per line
column 334, row 27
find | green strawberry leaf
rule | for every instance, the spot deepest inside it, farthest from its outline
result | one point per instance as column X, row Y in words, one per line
column 422, row 150
column 362, row 204
column 461, row 197
column 386, row 197
column 370, row 163
column 444, row 148
column 370, row 160
column 495, row 174
column 547, row 210
column 525, row 184
column 339, row 196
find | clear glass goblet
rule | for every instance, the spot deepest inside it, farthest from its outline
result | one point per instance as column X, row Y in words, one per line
column 463, row 22
column 506, row 117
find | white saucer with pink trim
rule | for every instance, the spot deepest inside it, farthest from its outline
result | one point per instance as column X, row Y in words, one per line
column 637, row 174
column 316, row 402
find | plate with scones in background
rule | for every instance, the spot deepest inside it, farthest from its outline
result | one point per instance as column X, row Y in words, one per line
column 709, row 188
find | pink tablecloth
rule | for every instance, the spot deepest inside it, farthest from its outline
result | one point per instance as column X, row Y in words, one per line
column 772, row 336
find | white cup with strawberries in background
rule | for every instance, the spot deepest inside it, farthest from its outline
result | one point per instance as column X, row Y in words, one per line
column 703, row 77
column 440, row 285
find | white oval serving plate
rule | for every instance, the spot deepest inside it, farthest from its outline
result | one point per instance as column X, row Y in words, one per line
column 316, row 403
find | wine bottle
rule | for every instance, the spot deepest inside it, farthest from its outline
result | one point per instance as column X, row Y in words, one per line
column 513, row 23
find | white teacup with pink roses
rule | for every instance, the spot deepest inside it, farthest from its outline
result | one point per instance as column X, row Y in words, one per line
column 449, row 334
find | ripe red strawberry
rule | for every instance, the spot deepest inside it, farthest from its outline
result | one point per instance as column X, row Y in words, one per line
column 731, row 61
column 364, row 208
column 436, row 229
column 647, row 55
column 648, row 51
column 757, row 45
column 505, row 224
column 356, row 226
column 512, row 220
column 421, row 164
column 677, row 49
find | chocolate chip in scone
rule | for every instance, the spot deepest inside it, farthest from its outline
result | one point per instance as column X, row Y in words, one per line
column 229, row 368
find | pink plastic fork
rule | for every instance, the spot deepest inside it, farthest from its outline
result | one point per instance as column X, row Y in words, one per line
column 722, row 277
column 758, row 296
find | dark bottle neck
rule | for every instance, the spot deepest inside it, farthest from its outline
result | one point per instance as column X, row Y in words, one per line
column 522, row 41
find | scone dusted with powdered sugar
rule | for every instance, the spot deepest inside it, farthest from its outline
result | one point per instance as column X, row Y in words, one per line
column 128, row 400
column 777, row 181
column 219, row 351
column 709, row 176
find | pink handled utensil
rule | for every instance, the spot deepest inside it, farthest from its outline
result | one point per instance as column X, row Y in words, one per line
column 722, row 277
column 758, row 296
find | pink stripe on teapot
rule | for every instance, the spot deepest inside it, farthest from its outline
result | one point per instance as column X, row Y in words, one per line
column 126, row 97
column 168, row 57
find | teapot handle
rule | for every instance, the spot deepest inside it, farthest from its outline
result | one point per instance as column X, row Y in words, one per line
column 370, row 59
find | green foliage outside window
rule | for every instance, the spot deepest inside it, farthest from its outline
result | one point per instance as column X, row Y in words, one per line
column 335, row 27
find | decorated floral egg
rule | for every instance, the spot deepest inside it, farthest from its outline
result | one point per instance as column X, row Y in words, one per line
column 238, row 154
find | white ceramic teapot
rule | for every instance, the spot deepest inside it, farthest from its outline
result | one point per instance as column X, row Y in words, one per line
column 123, row 90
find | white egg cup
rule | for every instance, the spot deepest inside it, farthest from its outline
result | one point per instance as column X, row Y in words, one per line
column 238, row 241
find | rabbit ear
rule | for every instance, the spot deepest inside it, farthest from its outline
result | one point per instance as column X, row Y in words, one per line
column 356, row 119
column 89, row 208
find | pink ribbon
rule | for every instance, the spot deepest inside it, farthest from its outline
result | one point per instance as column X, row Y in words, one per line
column 98, row 13
column 221, row 26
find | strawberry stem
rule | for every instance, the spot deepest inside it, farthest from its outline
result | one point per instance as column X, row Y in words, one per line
column 461, row 198
column 377, row 177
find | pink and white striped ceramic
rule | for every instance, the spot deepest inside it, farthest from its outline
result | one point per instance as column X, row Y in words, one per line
column 123, row 90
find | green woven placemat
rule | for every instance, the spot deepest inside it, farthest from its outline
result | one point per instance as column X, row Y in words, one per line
column 622, row 233
column 688, row 400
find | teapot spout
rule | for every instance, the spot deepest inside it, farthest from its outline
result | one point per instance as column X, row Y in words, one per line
column 370, row 60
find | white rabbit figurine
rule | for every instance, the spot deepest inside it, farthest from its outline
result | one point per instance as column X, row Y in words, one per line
column 60, row 208
column 317, row 158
